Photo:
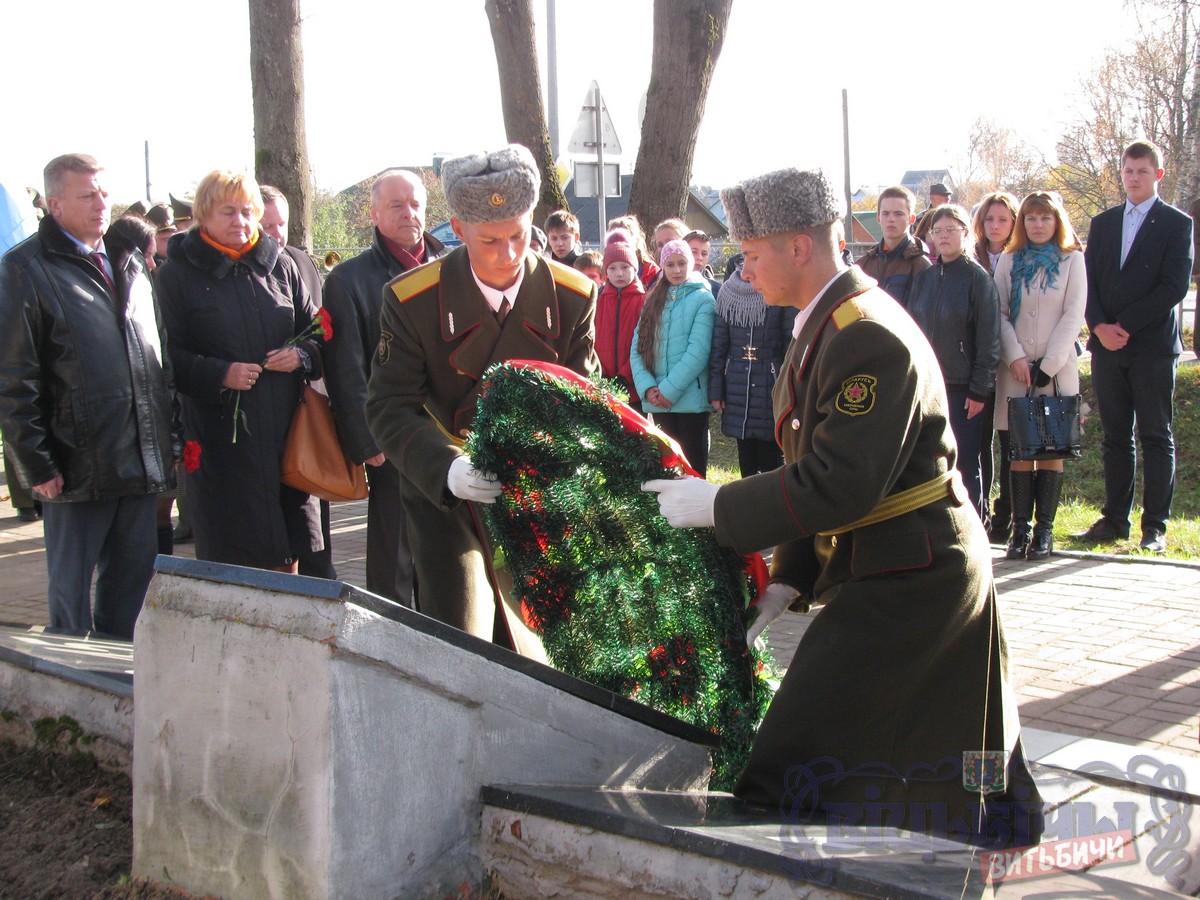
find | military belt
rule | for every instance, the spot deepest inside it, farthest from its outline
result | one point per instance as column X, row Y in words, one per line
column 903, row 502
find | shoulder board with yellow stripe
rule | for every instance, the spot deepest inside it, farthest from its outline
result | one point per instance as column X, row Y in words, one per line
column 571, row 279
column 848, row 312
column 414, row 281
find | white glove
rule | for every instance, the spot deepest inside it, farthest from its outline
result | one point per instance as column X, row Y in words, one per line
column 467, row 484
column 769, row 606
column 685, row 502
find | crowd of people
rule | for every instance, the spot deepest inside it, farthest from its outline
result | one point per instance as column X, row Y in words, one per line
column 863, row 398
column 1001, row 295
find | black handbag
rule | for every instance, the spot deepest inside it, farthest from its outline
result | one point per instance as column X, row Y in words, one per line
column 1045, row 426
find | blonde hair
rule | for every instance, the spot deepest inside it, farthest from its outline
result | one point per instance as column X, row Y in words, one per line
column 1045, row 201
column 223, row 186
column 677, row 225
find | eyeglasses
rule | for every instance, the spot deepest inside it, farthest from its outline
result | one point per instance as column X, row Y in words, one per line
column 945, row 232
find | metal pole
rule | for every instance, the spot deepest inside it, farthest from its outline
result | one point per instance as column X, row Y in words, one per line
column 846, row 150
column 552, row 79
column 600, row 162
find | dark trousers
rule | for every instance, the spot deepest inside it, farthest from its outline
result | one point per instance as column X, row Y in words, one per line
column 116, row 539
column 1141, row 390
column 1002, row 509
column 967, row 434
column 389, row 559
column 691, row 431
column 756, row 456
column 987, row 465
column 319, row 563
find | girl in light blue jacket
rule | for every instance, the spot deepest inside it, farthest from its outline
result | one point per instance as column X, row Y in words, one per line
column 670, row 353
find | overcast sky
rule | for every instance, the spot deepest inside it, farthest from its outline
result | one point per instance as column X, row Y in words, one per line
column 394, row 83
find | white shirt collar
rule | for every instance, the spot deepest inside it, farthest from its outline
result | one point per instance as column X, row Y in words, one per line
column 88, row 251
column 1143, row 207
column 803, row 316
column 493, row 296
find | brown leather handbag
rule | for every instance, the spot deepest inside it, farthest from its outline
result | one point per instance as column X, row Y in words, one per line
column 313, row 459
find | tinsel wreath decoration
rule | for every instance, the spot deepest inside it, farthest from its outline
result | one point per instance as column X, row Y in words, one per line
column 618, row 596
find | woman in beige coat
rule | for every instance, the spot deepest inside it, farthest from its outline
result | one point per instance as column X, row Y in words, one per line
column 1043, row 291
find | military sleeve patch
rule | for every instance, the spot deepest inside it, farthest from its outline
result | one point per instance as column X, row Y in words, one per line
column 857, row 396
column 384, row 353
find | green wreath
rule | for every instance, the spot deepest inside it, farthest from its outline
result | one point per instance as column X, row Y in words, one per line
column 618, row 596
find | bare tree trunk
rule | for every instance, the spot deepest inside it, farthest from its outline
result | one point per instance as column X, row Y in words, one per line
column 277, row 83
column 511, row 22
column 688, row 36
column 1189, row 177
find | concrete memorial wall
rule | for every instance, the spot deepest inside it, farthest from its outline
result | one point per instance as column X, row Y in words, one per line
column 300, row 738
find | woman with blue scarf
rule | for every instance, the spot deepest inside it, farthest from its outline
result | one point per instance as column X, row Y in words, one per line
column 1043, row 291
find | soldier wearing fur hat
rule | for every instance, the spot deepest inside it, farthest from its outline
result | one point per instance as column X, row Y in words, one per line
column 442, row 326
column 898, row 693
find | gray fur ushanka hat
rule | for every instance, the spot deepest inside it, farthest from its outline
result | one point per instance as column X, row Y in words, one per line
column 493, row 186
column 780, row 201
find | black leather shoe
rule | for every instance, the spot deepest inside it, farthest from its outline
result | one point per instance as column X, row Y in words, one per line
column 999, row 530
column 27, row 515
column 1102, row 532
column 1154, row 541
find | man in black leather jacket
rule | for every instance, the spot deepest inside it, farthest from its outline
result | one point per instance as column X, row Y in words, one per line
column 354, row 298
column 86, row 400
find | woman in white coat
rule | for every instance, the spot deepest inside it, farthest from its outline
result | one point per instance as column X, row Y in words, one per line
column 1043, row 291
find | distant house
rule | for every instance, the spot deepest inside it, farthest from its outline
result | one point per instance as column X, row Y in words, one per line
column 919, row 180
column 866, row 228
column 698, row 214
column 862, row 194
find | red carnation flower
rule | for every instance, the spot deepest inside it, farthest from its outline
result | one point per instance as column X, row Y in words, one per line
column 191, row 456
column 326, row 322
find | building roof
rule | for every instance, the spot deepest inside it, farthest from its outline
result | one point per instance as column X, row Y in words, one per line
column 866, row 227
column 586, row 209
column 919, row 180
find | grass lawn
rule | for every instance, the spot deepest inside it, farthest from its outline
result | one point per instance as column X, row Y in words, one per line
column 1083, row 489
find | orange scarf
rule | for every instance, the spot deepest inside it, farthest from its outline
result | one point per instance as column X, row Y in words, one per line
column 235, row 255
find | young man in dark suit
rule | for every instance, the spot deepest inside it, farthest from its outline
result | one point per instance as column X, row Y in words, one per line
column 1139, row 263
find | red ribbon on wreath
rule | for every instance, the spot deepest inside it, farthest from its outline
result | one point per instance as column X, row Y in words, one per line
column 636, row 423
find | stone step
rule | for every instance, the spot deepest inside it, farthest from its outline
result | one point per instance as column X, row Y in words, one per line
column 562, row 841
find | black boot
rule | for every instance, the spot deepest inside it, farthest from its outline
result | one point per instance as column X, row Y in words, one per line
column 1001, row 525
column 1022, row 512
column 166, row 545
column 1047, row 489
